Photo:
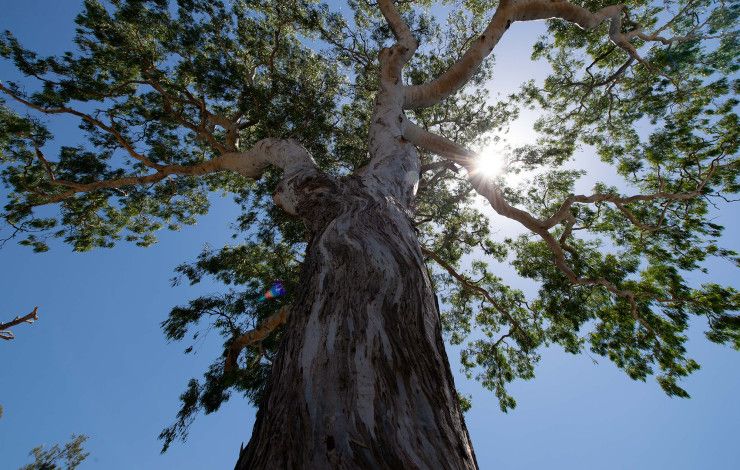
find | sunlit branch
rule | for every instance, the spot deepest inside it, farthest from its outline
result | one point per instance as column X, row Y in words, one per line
column 492, row 192
column 467, row 159
column 254, row 336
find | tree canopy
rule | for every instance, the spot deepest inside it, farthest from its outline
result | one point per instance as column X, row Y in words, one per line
column 167, row 93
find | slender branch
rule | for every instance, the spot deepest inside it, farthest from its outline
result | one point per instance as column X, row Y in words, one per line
column 606, row 81
column 502, row 339
column 200, row 130
column 45, row 162
column 86, row 117
column 472, row 286
column 360, row 56
column 620, row 201
column 5, row 332
column 254, row 336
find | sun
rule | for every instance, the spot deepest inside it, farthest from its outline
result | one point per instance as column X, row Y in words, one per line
column 490, row 163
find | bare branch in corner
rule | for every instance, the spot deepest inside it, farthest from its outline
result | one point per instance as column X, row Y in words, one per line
column 5, row 332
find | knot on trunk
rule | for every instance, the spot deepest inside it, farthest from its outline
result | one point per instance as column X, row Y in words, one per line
column 310, row 195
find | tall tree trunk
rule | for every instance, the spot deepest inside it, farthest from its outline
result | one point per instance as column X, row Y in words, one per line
column 361, row 379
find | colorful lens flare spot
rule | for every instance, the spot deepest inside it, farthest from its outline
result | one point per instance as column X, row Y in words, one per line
column 276, row 290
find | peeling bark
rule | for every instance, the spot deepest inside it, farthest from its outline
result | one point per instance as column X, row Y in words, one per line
column 361, row 379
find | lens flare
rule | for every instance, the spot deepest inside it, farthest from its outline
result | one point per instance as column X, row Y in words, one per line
column 276, row 290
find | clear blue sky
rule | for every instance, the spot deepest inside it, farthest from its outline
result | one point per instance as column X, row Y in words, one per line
column 96, row 362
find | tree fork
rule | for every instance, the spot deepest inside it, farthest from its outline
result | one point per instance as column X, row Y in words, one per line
column 361, row 379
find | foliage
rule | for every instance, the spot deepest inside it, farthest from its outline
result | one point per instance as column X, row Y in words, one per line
column 57, row 458
column 164, row 76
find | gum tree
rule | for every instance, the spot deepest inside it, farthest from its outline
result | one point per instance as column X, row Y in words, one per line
column 348, row 140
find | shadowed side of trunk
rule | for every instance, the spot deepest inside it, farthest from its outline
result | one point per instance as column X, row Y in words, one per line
column 361, row 379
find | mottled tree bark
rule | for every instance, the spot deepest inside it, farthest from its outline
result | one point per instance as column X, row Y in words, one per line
column 361, row 379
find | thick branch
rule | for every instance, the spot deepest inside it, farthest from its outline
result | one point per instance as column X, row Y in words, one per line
column 393, row 161
column 401, row 30
column 392, row 61
column 454, row 78
column 461, row 72
column 5, row 332
column 287, row 154
column 254, row 336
